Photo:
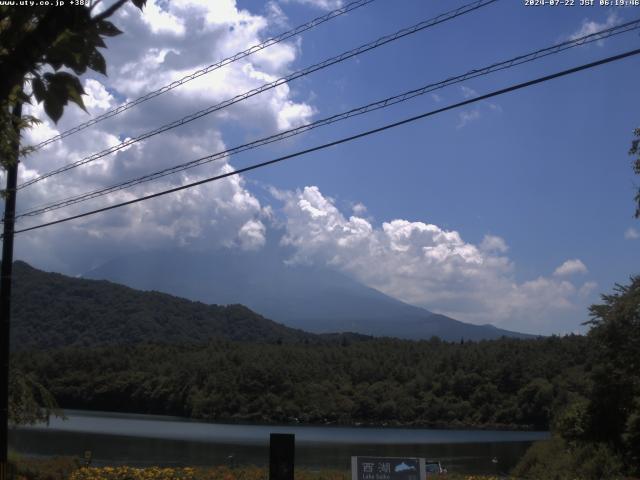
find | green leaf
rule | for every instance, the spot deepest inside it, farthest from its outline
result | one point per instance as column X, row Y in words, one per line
column 96, row 40
column 77, row 62
column 76, row 97
column 39, row 89
column 73, row 87
column 53, row 106
column 108, row 29
column 56, row 64
column 97, row 62
column 63, row 87
column 28, row 121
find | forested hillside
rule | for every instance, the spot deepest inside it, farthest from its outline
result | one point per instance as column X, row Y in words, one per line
column 50, row 310
column 504, row 383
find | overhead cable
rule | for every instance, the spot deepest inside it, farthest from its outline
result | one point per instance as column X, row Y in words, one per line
column 367, row 133
column 198, row 73
column 384, row 103
column 268, row 86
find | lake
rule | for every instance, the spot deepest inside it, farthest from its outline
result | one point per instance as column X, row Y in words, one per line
column 116, row 438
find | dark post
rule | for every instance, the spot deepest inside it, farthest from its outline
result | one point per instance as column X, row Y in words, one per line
column 5, row 296
column 281, row 456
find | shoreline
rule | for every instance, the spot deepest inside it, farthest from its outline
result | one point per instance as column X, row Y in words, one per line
column 358, row 425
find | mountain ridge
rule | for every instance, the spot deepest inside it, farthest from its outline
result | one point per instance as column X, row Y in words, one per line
column 314, row 299
column 51, row 310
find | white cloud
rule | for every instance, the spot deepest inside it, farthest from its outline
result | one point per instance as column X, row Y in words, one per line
column 167, row 41
column 468, row 92
column 591, row 26
column 631, row 234
column 415, row 261
column 426, row 265
column 571, row 267
column 97, row 99
column 161, row 20
column 291, row 114
column 587, row 289
column 467, row 116
column 323, row 4
column 493, row 243
column 276, row 15
column 359, row 208
column 252, row 235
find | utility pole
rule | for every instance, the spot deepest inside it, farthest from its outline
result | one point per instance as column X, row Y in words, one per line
column 5, row 293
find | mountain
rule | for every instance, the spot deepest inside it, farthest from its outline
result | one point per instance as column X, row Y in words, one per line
column 51, row 310
column 314, row 299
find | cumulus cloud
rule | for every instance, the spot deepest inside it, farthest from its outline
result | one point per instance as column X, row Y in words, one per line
column 252, row 235
column 168, row 41
column 161, row 20
column 424, row 264
column 587, row 288
column 571, row 267
column 416, row 261
column 631, row 234
column 493, row 243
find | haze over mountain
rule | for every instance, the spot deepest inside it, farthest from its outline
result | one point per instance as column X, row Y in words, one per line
column 311, row 298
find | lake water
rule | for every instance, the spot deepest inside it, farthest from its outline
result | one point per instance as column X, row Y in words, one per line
column 116, row 438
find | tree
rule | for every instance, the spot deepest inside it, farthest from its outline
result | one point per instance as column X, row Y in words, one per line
column 599, row 436
column 30, row 402
column 614, row 403
column 46, row 47
column 535, row 400
column 635, row 150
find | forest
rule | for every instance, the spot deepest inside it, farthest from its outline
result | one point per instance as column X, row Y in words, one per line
column 507, row 383
column 51, row 310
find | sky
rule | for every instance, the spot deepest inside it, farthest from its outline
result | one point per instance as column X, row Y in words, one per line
column 515, row 211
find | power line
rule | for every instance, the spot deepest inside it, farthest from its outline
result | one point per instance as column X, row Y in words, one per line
column 268, row 86
column 198, row 73
column 495, row 93
column 387, row 102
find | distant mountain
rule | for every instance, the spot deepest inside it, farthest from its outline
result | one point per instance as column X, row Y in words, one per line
column 51, row 310
column 314, row 299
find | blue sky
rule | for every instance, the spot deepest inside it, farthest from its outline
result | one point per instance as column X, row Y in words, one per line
column 548, row 171
column 527, row 181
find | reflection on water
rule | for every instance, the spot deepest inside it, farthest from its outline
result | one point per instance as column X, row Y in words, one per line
column 152, row 440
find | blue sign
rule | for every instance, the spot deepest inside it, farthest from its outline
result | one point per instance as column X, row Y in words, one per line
column 387, row 468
